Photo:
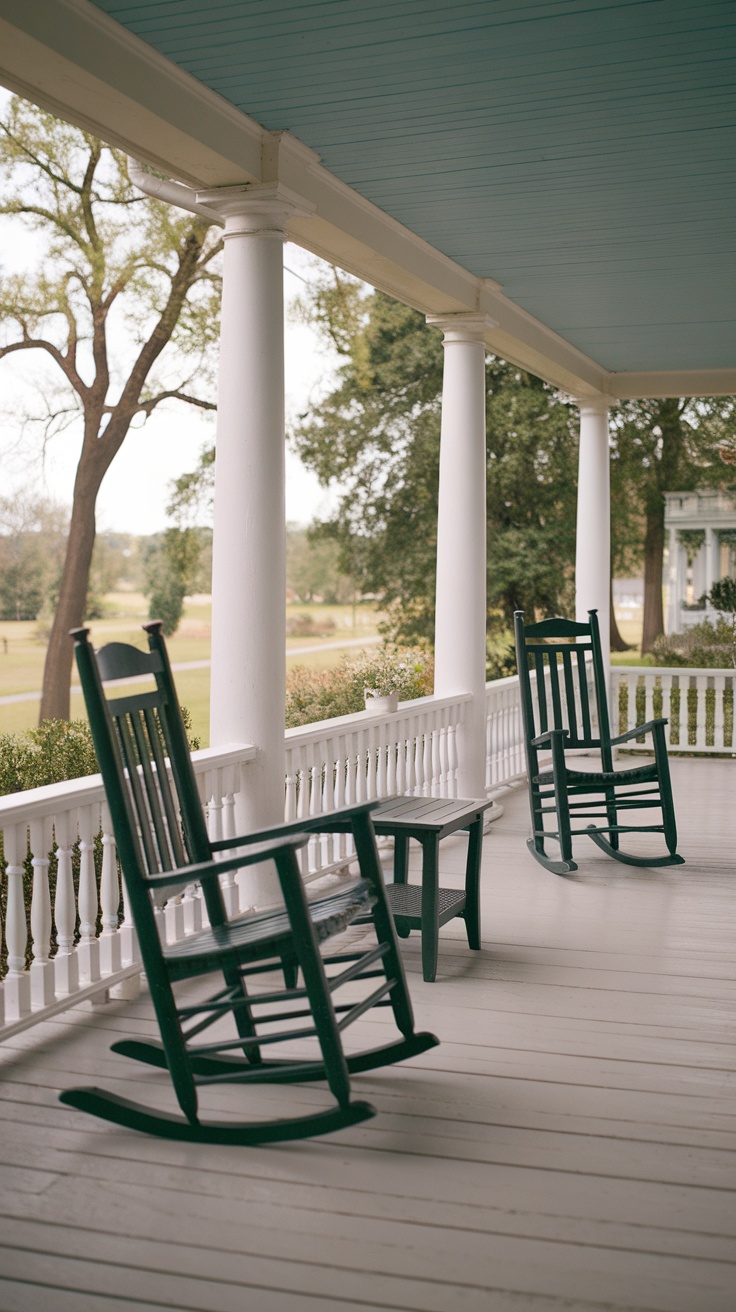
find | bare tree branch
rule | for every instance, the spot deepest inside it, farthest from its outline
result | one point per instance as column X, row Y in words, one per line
column 175, row 394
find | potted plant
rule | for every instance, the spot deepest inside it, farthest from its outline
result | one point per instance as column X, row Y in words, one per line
column 392, row 674
column 380, row 703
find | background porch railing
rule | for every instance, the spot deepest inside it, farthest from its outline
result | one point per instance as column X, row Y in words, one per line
column 697, row 703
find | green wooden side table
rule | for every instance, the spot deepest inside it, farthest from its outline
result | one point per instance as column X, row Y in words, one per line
column 427, row 906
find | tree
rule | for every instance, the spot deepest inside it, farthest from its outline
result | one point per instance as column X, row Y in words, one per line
column 376, row 435
column 172, row 570
column 116, row 266
column 313, row 568
column 666, row 445
column 32, row 537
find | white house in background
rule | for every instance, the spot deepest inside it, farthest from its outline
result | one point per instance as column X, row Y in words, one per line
column 701, row 538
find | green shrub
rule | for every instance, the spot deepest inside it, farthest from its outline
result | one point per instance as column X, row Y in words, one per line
column 304, row 625
column 705, row 646
column 55, row 751
column 322, row 694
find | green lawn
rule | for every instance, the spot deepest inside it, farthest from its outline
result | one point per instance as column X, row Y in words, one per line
column 22, row 651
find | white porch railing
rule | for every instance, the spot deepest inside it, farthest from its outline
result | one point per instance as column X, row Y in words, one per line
column 61, row 826
column 505, row 760
column 354, row 758
column 329, row 764
column 697, row 703
column 65, row 826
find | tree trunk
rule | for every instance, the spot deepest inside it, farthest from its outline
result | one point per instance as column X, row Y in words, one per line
column 73, row 590
column 653, row 564
column 617, row 642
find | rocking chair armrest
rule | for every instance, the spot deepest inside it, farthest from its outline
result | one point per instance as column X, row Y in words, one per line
column 651, row 726
column 330, row 822
column 203, row 870
column 543, row 739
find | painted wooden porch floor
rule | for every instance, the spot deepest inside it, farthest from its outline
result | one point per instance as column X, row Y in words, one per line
column 570, row 1145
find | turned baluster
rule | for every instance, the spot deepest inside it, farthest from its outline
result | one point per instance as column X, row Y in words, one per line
column 230, row 891
column 89, row 948
column 42, row 968
column 111, row 957
column 17, row 988
column 66, row 963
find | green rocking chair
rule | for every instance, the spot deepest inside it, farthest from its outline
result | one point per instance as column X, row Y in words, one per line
column 561, row 713
column 163, row 846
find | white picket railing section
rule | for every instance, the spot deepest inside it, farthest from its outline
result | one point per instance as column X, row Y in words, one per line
column 697, row 703
column 53, row 821
column 505, row 760
column 354, row 758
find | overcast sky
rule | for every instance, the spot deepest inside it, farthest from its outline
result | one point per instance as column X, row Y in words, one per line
column 171, row 440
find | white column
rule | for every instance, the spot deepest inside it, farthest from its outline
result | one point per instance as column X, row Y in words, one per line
column 460, row 622
column 593, row 542
column 712, row 558
column 673, row 582
column 249, row 569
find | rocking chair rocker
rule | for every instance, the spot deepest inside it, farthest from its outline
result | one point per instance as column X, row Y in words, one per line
column 163, row 846
column 558, row 718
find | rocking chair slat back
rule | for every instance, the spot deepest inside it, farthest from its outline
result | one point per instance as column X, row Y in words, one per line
column 562, row 699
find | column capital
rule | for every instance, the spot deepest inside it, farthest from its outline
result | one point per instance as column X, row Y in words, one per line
column 466, row 326
column 593, row 405
column 256, row 207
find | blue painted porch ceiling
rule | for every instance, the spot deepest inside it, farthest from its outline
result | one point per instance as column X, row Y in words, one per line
column 581, row 152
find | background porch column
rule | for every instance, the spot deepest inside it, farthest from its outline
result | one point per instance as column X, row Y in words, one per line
column 249, row 552
column 712, row 559
column 593, row 542
column 460, row 622
column 674, row 587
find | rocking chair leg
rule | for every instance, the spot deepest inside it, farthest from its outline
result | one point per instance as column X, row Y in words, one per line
column 612, row 815
column 242, row 1014
column 313, row 974
column 290, row 972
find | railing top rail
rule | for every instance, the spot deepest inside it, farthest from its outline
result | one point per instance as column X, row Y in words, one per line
column 340, row 723
column 502, row 683
column 17, row 808
column 647, row 670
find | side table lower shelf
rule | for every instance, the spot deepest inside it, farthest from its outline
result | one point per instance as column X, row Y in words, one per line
column 405, row 901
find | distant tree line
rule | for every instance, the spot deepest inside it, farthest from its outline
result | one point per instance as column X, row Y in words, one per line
column 166, row 567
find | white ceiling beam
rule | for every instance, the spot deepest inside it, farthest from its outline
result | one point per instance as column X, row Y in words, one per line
column 685, row 382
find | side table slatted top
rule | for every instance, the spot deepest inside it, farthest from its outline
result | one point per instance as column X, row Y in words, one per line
column 427, row 907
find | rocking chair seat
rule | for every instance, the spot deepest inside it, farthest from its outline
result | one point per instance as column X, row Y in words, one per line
column 594, row 780
column 261, row 933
